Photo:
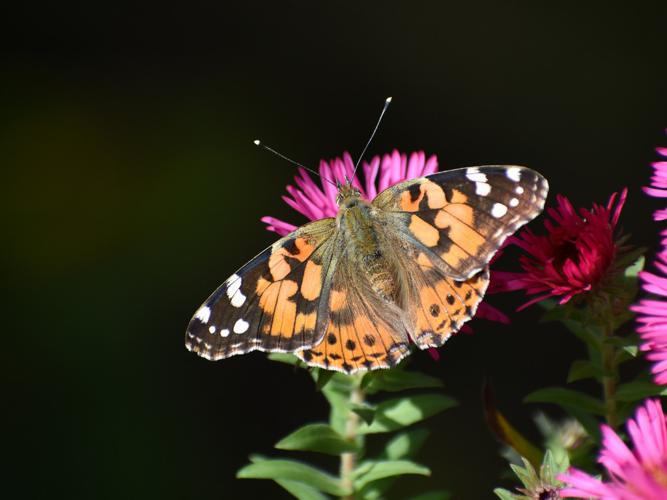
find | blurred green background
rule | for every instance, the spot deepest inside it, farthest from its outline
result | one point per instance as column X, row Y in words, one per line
column 132, row 189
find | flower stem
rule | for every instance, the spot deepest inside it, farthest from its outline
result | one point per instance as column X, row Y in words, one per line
column 348, row 461
column 609, row 378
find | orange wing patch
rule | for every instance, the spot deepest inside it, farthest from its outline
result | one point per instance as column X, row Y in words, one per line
column 355, row 341
column 444, row 305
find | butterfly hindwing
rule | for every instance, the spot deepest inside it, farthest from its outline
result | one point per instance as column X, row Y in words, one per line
column 443, row 305
column 459, row 218
column 270, row 304
column 362, row 332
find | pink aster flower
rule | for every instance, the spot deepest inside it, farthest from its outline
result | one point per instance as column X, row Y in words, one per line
column 638, row 474
column 316, row 201
column 575, row 256
column 652, row 313
column 319, row 201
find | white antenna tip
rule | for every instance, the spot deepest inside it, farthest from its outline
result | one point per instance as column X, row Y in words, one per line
column 256, row 141
column 388, row 100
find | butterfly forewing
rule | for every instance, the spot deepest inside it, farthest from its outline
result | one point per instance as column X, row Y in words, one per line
column 270, row 304
column 459, row 218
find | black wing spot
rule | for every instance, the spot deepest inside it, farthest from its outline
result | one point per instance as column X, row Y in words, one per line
column 450, row 299
column 331, row 338
column 434, row 310
column 351, row 345
column 369, row 340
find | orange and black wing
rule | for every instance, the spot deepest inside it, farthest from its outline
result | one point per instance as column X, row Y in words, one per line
column 451, row 224
column 362, row 331
column 458, row 219
column 276, row 302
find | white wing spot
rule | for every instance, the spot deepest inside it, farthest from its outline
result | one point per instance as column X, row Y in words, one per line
column 238, row 299
column 514, row 173
column 241, row 326
column 519, row 190
column 211, row 329
column 514, row 202
column 224, row 332
column 233, row 290
column 482, row 188
column 498, row 210
column 203, row 314
column 475, row 176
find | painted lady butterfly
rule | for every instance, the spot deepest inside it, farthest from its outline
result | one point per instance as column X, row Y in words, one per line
column 349, row 293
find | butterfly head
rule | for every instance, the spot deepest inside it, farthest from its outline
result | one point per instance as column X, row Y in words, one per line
column 348, row 196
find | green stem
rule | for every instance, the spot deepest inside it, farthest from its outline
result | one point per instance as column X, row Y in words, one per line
column 609, row 378
column 348, row 461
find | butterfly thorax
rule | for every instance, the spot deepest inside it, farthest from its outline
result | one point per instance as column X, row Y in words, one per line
column 357, row 223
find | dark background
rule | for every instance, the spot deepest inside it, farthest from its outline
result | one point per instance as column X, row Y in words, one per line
column 133, row 189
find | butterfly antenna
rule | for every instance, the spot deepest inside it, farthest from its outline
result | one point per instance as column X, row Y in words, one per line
column 377, row 125
column 261, row 144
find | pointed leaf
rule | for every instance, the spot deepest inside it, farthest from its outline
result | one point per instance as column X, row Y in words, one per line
column 301, row 491
column 405, row 444
column 567, row 398
column 633, row 270
column 503, row 494
column 317, row 437
column 285, row 357
column 373, row 470
column 366, row 412
column 293, row 471
column 397, row 380
column 634, row 391
column 401, row 412
column 322, row 378
column 582, row 369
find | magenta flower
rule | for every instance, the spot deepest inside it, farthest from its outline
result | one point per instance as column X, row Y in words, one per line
column 652, row 313
column 640, row 474
column 317, row 201
column 575, row 256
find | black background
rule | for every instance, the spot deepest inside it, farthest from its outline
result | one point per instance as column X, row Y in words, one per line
column 133, row 189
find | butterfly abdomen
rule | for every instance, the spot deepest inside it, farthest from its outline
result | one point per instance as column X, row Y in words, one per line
column 363, row 245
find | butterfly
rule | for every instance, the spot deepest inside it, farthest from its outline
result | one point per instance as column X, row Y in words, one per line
column 350, row 293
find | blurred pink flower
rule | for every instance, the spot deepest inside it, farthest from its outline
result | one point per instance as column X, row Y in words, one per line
column 633, row 475
column 574, row 257
column 658, row 187
column 652, row 313
column 318, row 201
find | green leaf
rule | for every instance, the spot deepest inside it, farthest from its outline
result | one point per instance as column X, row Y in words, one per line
column 322, row 378
column 337, row 392
column 582, row 369
column 503, row 494
column 401, row 412
column 585, row 333
column 301, row 491
column 632, row 350
column 405, row 444
column 293, row 471
column 633, row 270
column 634, row 391
column 566, row 398
column 283, row 357
column 432, row 495
column 365, row 411
column 317, row 437
column 372, row 470
column 397, row 380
